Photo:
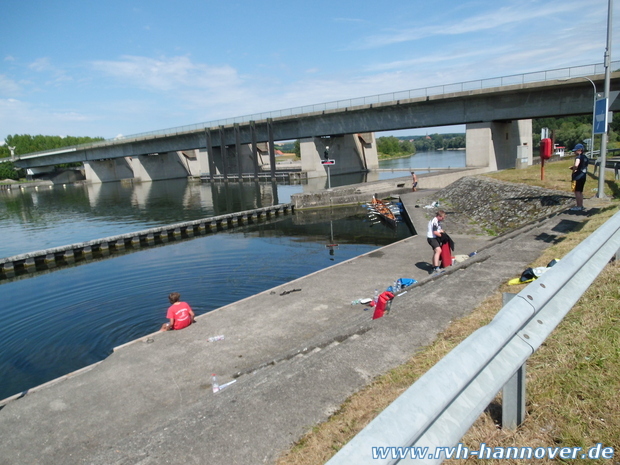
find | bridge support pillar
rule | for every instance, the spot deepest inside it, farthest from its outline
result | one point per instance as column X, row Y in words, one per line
column 115, row 169
column 496, row 144
column 247, row 160
column 210, row 154
column 353, row 153
column 254, row 148
column 167, row 165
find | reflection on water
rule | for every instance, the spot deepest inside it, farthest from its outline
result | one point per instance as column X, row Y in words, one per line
column 44, row 218
column 50, row 217
column 72, row 317
column 75, row 316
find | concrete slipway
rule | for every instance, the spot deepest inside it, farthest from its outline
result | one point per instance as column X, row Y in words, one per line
column 296, row 357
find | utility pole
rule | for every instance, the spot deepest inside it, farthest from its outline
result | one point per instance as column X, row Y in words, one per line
column 607, row 60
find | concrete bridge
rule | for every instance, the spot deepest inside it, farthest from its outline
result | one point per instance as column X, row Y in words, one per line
column 497, row 114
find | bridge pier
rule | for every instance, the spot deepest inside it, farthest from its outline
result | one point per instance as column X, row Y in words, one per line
column 113, row 169
column 352, row 152
column 153, row 167
column 498, row 144
column 167, row 165
column 243, row 157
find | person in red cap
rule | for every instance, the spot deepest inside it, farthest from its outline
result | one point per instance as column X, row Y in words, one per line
column 578, row 178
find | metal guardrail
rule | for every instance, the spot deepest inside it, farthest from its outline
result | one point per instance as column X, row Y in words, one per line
column 515, row 79
column 439, row 408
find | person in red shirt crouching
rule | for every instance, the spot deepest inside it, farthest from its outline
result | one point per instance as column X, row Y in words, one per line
column 179, row 313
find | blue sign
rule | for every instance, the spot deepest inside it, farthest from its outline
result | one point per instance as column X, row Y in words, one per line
column 600, row 116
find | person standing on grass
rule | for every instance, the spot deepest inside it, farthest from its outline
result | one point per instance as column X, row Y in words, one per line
column 578, row 178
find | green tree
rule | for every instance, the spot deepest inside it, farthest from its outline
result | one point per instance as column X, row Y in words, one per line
column 26, row 143
column 388, row 145
column 406, row 146
column 8, row 171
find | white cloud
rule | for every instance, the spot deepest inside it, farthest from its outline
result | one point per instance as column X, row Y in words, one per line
column 8, row 87
column 25, row 118
column 41, row 64
column 45, row 67
column 525, row 13
column 167, row 74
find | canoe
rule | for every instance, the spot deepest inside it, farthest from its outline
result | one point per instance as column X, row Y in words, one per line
column 380, row 208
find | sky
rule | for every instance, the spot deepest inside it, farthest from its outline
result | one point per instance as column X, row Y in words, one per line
column 123, row 67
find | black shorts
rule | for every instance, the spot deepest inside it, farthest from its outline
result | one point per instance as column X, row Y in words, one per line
column 577, row 186
column 434, row 242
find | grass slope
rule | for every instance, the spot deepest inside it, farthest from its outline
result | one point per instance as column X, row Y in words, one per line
column 573, row 380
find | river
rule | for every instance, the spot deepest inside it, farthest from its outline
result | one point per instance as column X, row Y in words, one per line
column 61, row 320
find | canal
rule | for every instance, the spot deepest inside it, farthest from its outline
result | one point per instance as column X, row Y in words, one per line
column 58, row 321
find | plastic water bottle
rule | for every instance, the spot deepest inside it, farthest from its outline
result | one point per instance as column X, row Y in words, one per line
column 214, row 383
column 216, row 338
column 376, row 297
column 473, row 253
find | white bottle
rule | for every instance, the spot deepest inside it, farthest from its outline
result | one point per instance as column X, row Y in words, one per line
column 376, row 297
column 214, row 384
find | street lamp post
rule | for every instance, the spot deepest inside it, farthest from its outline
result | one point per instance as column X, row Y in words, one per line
column 593, row 110
column 607, row 60
column 593, row 115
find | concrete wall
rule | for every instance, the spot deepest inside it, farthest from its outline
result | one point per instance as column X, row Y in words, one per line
column 108, row 170
column 496, row 144
column 169, row 165
column 245, row 159
column 352, row 153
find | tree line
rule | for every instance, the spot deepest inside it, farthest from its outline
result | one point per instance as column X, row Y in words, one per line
column 566, row 132
column 572, row 130
column 26, row 143
column 408, row 145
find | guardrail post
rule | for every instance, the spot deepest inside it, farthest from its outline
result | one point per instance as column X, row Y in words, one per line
column 513, row 393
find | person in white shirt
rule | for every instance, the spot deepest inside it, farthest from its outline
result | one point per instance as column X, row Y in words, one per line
column 433, row 236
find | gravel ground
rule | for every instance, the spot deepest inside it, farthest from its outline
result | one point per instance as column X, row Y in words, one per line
column 482, row 205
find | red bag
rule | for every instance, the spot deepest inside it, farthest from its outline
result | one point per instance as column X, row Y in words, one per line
column 446, row 255
column 382, row 304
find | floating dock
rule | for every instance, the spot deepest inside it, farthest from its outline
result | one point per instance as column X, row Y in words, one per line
column 68, row 254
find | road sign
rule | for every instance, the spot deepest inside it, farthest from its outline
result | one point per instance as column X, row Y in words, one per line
column 328, row 162
column 600, row 116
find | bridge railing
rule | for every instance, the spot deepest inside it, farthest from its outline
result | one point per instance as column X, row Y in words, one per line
column 516, row 79
column 430, row 418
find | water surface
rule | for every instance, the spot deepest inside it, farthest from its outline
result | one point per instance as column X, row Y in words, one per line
column 59, row 321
